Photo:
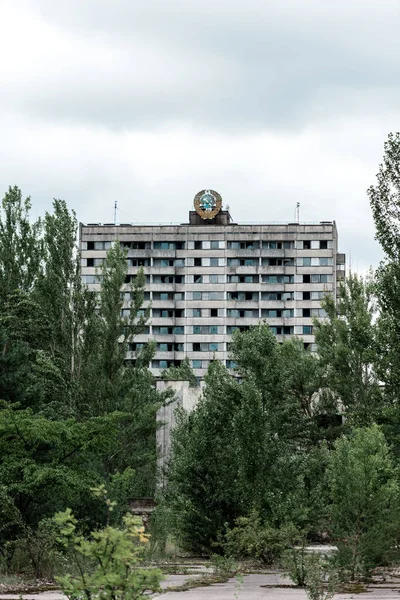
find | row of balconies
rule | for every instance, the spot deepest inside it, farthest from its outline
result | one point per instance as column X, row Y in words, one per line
column 214, row 253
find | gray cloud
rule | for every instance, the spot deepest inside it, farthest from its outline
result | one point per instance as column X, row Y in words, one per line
column 220, row 65
column 148, row 101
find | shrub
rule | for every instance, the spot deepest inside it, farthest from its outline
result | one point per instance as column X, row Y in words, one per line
column 114, row 555
column 251, row 539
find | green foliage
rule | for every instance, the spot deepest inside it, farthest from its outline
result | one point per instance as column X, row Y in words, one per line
column 224, row 565
column 182, row 373
column 321, row 579
column 76, row 414
column 21, row 249
column 364, row 501
column 295, row 560
column 251, row 539
column 40, row 546
column 114, row 555
column 253, row 443
column 348, row 350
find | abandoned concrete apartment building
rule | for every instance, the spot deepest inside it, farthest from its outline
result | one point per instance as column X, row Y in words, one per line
column 210, row 276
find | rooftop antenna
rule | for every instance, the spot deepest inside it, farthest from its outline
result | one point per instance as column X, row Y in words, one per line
column 298, row 212
column 115, row 212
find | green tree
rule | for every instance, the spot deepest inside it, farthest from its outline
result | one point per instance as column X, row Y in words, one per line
column 249, row 445
column 182, row 373
column 21, row 251
column 385, row 203
column 364, row 501
column 348, row 350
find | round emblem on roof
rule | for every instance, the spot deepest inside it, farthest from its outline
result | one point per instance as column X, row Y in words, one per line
column 207, row 204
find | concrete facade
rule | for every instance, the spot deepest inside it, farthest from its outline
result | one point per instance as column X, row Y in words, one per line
column 207, row 278
column 184, row 397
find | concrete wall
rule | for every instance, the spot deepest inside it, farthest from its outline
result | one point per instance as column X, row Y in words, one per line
column 186, row 398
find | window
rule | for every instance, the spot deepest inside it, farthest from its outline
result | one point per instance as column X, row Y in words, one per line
column 248, row 245
column 317, row 295
column 214, row 262
column 306, row 312
column 100, row 246
column 323, row 244
column 242, row 262
column 323, row 278
column 318, row 312
column 215, row 245
column 214, row 312
column 179, row 330
column 205, row 346
column 306, row 261
column 325, row 261
column 205, row 329
column 198, row 278
column 278, row 278
column 198, row 245
column 215, row 296
column 136, row 245
column 91, row 278
column 231, row 328
column 196, row 295
column 196, row 312
column 168, row 279
column 307, row 329
column 169, row 245
column 306, row 296
column 242, row 313
column 163, row 262
column 179, row 262
column 163, row 347
column 161, row 330
column 216, row 279
column 277, row 295
column 278, row 245
column 243, row 296
column 306, row 279
column 277, row 262
column 140, row 262
column 276, row 312
column 279, row 330
column 133, row 347
column 306, row 245
column 243, row 278
column 197, row 364
column 197, row 262
column 231, row 364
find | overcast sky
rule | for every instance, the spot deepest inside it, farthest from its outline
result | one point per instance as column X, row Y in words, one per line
column 269, row 102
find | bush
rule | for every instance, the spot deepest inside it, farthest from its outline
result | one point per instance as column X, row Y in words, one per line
column 321, row 579
column 115, row 555
column 314, row 572
column 224, row 565
column 251, row 539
